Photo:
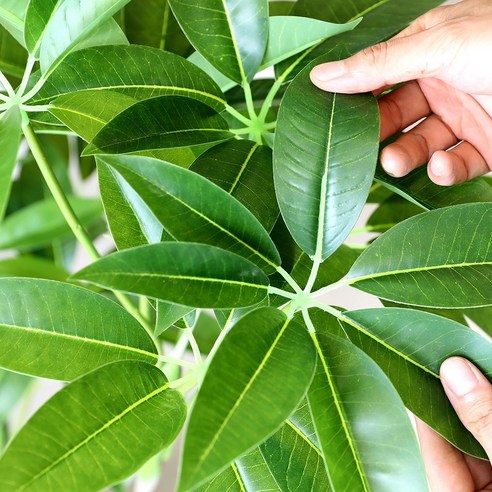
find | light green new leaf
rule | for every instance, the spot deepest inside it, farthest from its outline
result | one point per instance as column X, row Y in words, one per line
column 325, row 154
column 10, row 136
column 244, row 170
column 133, row 414
column 366, row 436
column 60, row 331
column 12, row 15
column 160, row 123
column 136, row 71
column 241, row 402
column 191, row 208
column 410, row 347
column 41, row 223
column 73, row 22
column 38, row 15
column 441, row 258
column 196, row 275
column 231, row 34
column 291, row 35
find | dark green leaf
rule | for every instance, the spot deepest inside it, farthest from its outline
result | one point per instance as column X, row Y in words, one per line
column 132, row 416
column 235, row 36
column 482, row 317
column 136, row 71
column 192, row 209
column 191, row 274
column 244, row 170
column 366, row 436
column 410, row 347
column 440, row 258
column 60, row 331
column 10, row 135
column 325, row 153
column 280, row 7
column 240, row 401
column 160, row 123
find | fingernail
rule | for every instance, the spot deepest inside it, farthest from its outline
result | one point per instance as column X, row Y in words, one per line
column 459, row 376
column 328, row 71
column 440, row 168
column 396, row 162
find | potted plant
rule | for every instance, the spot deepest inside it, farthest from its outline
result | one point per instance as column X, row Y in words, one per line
column 229, row 201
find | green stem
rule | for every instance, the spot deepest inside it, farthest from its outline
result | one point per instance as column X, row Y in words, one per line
column 270, row 97
column 27, row 73
column 68, row 213
column 6, row 84
column 4, row 98
column 281, row 292
column 325, row 307
column 194, row 346
column 329, row 288
column 307, row 320
column 249, row 101
column 234, row 112
column 34, row 90
column 313, row 275
column 288, row 278
column 176, row 362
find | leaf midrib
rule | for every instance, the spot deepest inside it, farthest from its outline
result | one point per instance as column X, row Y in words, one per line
column 367, row 10
column 6, row 14
column 234, row 42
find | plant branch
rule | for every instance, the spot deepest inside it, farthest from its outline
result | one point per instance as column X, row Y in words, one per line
column 288, row 278
column 175, row 361
column 234, row 112
column 329, row 288
column 194, row 346
column 6, row 84
column 27, row 73
column 307, row 320
column 281, row 292
column 34, row 90
column 269, row 98
column 249, row 101
column 325, row 307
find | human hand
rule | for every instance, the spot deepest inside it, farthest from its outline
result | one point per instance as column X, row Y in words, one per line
column 448, row 469
column 444, row 58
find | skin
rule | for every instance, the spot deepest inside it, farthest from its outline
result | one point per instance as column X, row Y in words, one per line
column 442, row 60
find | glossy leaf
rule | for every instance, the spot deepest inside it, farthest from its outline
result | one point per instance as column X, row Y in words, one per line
column 167, row 314
column 72, row 22
column 38, row 15
column 10, row 136
column 195, row 275
column 12, row 15
column 422, row 260
column 136, row 71
column 244, row 170
column 190, row 208
column 325, row 153
column 352, row 401
column 240, row 402
column 410, row 347
column 160, row 123
column 32, row 267
column 132, row 408
column 46, row 334
column 41, row 223
column 235, row 37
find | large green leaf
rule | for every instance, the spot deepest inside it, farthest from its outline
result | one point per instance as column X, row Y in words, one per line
column 13, row 56
column 133, row 414
column 440, row 258
column 10, row 136
column 12, row 15
column 32, row 267
column 410, row 346
column 235, row 36
column 41, row 223
column 38, row 15
column 152, row 23
column 244, row 170
column 364, row 430
column 325, row 153
column 160, row 123
column 241, row 402
column 137, row 71
column 195, row 275
column 190, row 208
column 73, row 22
column 60, row 331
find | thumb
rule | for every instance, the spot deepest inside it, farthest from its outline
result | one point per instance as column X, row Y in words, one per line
column 385, row 64
column 470, row 393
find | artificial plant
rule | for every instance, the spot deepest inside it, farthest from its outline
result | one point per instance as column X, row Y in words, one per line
column 231, row 201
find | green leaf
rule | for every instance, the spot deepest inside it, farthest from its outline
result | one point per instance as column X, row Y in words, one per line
column 73, row 22
column 241, row 402
column 280, row 7
column 191, row 274
column 46, row 333
column 12, row 15
column 325, row 153
column 192, row 209
column 38, row 15
column 41, row 223
column 410, row 347
column 136, row 71
column 482, row 317
column 292, row 35
column 13, row 56
column 224, row 82
column 422, row 260
column 12, row 387
column 244, row 170
column 160, row 123
column 33, row 267
column 420, row 190
column 10, row 136
column 133, row 415
column 152, row 23
column 235, row 37
column 366, row 436
column 167, row 314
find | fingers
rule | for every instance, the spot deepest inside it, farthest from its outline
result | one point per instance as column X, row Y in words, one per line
column 446, row 467
column 470, row 393
column 457, row 165
column 416, row 147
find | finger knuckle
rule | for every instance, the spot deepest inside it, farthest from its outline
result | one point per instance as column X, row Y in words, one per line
column 479, row 417
column 377, row 54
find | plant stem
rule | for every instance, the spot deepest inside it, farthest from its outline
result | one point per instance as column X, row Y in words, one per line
column 34, row 90
column 325, row 307
column 307, row 320
column 34, row 109
column 281, row 292
column 175, row 361
column 194, row 346
column 288, row 278
column 69, row 215
column 270, row 97
column 249, row 101
column 4, row 98
column 329, row 288
column 27, row 73
column 313, row 275
column 234, row 112
column 4, row 81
